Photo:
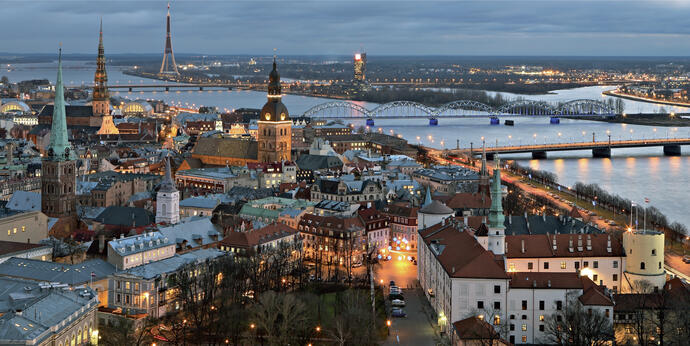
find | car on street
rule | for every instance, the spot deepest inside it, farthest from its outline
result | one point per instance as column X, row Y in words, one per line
column 392, row 283
column 686, row 258
column 398, row 313
column 398, row 302
column 395, row 292
column 392, row 297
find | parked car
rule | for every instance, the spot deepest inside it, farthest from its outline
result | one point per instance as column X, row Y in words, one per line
column 686, row 258
column 398, row 313
column 392, row 283
column 391, row 297
column 398, row 302
column 356, row 264
column 393, row 288
column 397, row 291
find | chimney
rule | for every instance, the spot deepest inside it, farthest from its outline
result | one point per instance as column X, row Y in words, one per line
column 548, row 284
column 101, row 242
column 522, row 243
column 544, row 216
column 579, row 242
column 589, row 242
column 554, row 242
column 608, row 244
column 570, row 245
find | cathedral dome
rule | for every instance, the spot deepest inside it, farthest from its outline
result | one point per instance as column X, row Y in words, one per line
column 274, row 110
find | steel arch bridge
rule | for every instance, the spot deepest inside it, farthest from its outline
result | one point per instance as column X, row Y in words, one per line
column 462, row 108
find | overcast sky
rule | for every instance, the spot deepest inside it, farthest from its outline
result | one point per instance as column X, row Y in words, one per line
column 325, row 27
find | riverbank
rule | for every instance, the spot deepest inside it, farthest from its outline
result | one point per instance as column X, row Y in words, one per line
column 655, row 119
column 613, row 93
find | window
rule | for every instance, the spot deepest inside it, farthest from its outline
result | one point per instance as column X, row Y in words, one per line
column 595, row 264
column 595, row 278
column 546, row 265
column 577, row 265
column 497, row 319
column 524, row 305
column 615, row 277
column 497, row 305
column 480, row 304
column 559, row 305
column 653, row 252
column 541, row 318
column 524, row 317
column 659, row 264
column 512, row 326
column 541, row 305
column 524, row 338
column 118, row 298
column 585, row 264
column 541, row 327
column 512, row 317
column 563, row 266
column 530, row 265
column 607, row 312
column 497, row 289
column 524, row 327
column 511, row 267
column 118, row 284
column 126, row 285
column 615, row 264
column 615, row 289
column 642, row 266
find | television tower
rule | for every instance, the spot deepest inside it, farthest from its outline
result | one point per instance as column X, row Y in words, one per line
column 168, row 66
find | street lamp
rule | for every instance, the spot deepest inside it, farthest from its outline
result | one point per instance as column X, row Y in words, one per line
column 388, row 324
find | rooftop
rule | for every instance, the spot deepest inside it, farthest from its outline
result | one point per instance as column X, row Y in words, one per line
column 71, row 274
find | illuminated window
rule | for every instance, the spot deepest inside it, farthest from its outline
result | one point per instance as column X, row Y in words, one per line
column 524, row 338
column 563, row 265
column 23, row 229
column 541, row 318
column 524, row 327
column 497, row 320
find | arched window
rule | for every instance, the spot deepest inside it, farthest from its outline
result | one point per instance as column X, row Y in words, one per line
column 642, row 266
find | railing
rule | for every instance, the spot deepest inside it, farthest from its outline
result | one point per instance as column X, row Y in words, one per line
column 581, row 145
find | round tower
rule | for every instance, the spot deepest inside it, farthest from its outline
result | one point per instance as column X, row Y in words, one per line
column 644, row 261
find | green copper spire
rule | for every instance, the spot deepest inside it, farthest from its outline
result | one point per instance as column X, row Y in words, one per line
column 427, row 198
column 496, row 217
column 59, row 148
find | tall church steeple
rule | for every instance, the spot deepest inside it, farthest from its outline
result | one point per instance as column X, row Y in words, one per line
column 496, row 217
column 101, row 99
column 168, row 199
column 59, row 148
column 275, row 126
column 484, row 185
column 58, row 169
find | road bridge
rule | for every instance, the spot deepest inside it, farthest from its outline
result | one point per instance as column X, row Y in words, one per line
column 580, row 108
column 169, row 86
column 599, row 148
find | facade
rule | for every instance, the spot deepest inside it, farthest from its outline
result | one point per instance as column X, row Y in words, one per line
column 9, row 249
column 136, row 250
column 360, row 68
column 333, row 239
column 351, row 191
column 112, row 190
column 101, row 98
column 23, row 227
column 644, row 260
column 447, row 180
column 214, row 180
column 168, row 199
column 272, row 174
column 58, row 178
column 402, row 220
column 259, row 240
column 378, row 230
column 275, row 127
column 47, row 314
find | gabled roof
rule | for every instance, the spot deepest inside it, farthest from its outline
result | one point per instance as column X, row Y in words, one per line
column 71, row 274
column 258, row 236
column 541, row 246
column 196, row 231
column 436, row 208
column 594, row 294
column 24, row 201
column 544, row 280
column 469, row 201
column 460, row 254
column 13, row 247
column 226, row 147
column 125, row 216
column 473, row 328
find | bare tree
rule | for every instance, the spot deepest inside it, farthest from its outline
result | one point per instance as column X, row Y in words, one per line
column 575, row 325
column 127, row 332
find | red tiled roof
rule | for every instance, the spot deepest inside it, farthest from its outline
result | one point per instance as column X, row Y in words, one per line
column 460, row 254
column 473, row 328
column 259, row 236
column 545, row 280
column 574, row 213
column 400, row 210
column 9, row 247
column 594, row 294
column 469, row 201
column 541, row 246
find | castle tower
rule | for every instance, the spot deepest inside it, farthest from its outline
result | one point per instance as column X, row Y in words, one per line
column 496, row 218
column 101, row 99
column 644, row 261
column 168, row 199
column 168, row 66
column 58, row 171
column 275, row 126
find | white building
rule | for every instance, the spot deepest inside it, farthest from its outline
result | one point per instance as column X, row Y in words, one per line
column 168, row 199
column 136, row 250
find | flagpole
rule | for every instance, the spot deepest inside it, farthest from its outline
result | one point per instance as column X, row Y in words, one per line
column 631, row 212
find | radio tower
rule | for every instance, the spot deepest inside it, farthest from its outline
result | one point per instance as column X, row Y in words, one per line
column 168, row 66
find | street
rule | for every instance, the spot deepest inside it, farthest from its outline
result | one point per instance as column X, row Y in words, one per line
column 415, row 329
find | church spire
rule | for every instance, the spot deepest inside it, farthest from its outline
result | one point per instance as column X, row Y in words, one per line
column 59, row 147
column 100, row 102
column 274, row 88
column 427, row 198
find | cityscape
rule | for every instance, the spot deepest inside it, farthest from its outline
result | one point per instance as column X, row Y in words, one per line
column 312, row 173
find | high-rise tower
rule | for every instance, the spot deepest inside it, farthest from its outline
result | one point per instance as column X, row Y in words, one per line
column 360, row 63
column 58, row 171
column 496, row 234
column 275, row 126
column 168, row 66
column 168, row 199
column 101, row 99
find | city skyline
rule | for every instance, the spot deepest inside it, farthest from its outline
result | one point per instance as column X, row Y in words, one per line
column 437, row 28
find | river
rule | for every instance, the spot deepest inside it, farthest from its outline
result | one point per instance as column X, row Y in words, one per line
column 632, row 173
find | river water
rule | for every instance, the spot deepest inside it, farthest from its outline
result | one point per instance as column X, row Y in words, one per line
column 632, row 173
